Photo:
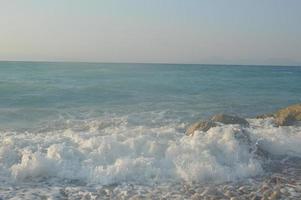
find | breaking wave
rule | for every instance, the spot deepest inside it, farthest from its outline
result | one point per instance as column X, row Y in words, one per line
column 111, row 151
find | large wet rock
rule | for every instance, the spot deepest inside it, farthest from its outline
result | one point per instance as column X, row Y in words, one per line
column 201, row 125
column 287, row 116
column 229, row 119
column 221, row 118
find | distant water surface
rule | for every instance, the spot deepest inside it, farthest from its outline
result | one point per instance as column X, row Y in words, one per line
column 35, row 93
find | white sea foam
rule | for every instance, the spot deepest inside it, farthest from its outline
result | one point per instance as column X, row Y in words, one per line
column 108, row 151
column 285, row 140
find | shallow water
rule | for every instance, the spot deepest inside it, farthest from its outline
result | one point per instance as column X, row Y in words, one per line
column 75, row 127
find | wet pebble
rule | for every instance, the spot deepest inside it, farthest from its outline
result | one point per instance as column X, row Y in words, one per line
column 196, row 196
column 275, row 195
column 230, row 193
column 208, row 191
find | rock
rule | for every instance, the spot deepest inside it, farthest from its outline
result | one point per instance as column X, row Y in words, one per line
column 298, row 188
column 221, row 118
column 230, row 193
column 266, row 194
column 136, row 197
column 229, row 119
column 295, row 194
column 191, row 192
column 242, row 189
column 276, row 180
column 288, row 116
column 275, row 195
column 209, row 191
column 283, row 190
column 228, row 188
column 196, row 196
column 202, row 126
column 255, row 198
column 263, row 116
column 264, row 188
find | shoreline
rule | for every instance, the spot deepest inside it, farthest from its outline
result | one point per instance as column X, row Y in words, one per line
column 282, row 183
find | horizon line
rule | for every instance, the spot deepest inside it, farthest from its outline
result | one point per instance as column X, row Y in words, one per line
column 154, row 63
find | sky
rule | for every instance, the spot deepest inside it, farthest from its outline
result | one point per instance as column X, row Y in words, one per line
column 152, row 31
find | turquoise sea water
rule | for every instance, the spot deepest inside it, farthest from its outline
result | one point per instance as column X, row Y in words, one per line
column 34, row 94
column 83, row 130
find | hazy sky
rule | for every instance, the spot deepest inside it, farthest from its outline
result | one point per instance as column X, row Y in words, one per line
column 174, row 31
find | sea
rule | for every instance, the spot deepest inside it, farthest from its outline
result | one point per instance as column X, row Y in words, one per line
column 82, row 129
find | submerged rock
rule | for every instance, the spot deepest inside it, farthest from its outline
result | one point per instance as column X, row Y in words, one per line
column 221, row 118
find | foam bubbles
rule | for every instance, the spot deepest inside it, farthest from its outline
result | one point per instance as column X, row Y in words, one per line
column 215, row 156
column 285, row 140
column 32, row 165
column 108, row 151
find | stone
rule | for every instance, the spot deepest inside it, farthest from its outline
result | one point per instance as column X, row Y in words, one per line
column 229, row 119
column 263, row 116
column 288, row 116
column 230, row 193
column 213, row 122
column 266, row 194
column 291, row 189
column 196, row 196
column 202, row 126
column 264, row 187
column 283, row 190
column 275, row 195
column 255, row 198
column 295, row 194
column 242, row 189
column 209, row 191
column 298, row 188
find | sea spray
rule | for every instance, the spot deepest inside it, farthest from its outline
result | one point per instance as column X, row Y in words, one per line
column 127, row 153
